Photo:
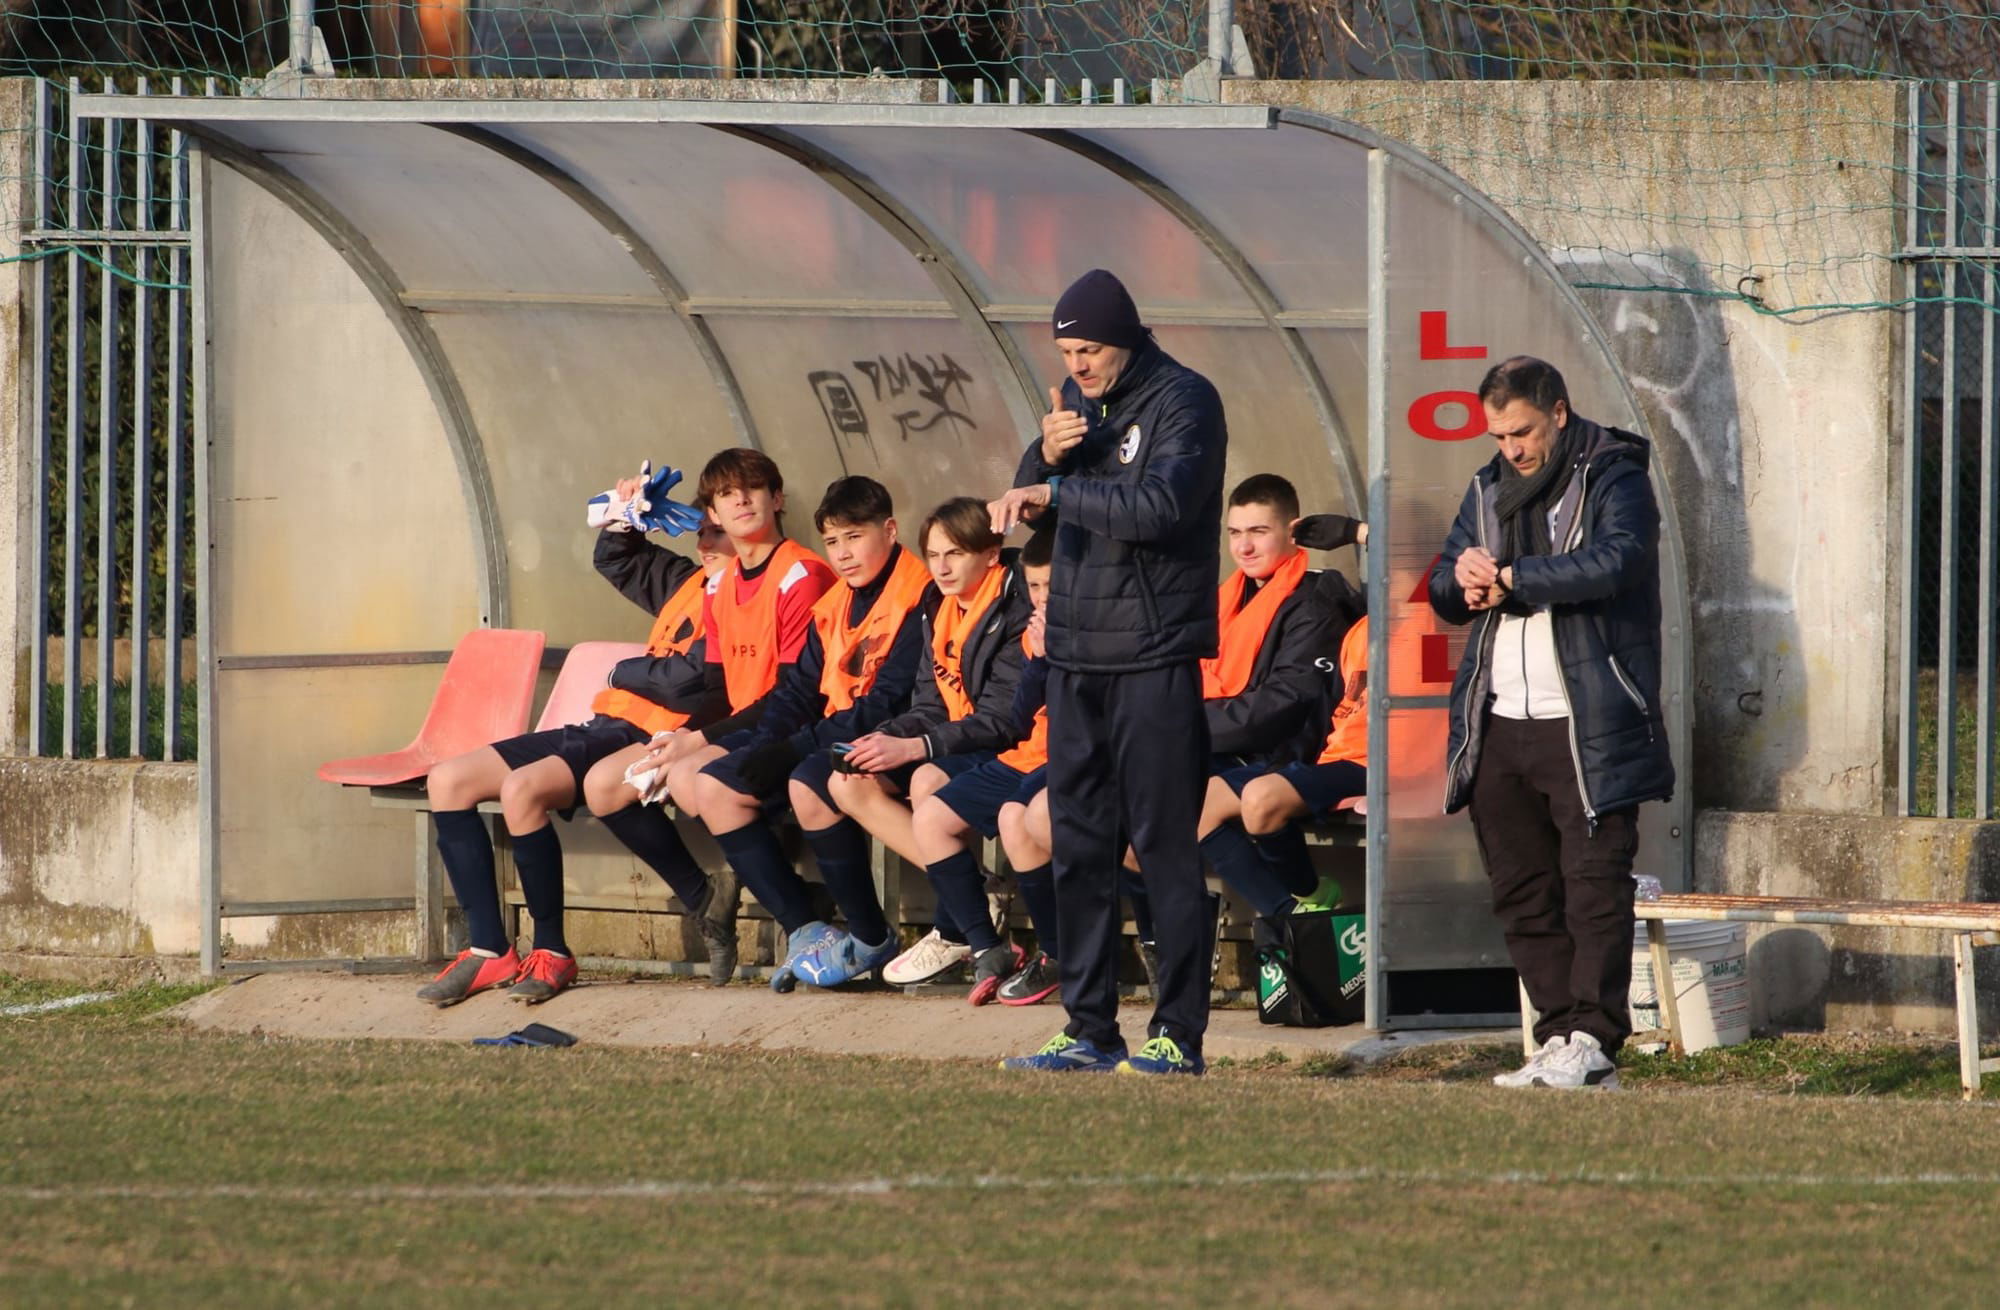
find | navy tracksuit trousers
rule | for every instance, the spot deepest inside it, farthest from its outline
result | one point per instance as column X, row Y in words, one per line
column 1128, row 758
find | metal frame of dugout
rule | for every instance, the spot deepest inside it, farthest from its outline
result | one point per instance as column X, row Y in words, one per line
column 428, row 330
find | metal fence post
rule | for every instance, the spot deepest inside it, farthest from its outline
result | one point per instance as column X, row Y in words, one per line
column 1221, row 35
column 299, row 38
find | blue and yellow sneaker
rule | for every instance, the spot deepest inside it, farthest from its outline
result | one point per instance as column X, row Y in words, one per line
column 1162, row 1054
column 842, row 957
column 1066, row 1054
column 797, row 947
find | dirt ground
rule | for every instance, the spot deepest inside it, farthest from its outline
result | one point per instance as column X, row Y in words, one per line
column 660, row 1013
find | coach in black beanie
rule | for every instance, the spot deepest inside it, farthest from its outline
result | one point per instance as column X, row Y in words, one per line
column 1129, row 462
column 1098, row 308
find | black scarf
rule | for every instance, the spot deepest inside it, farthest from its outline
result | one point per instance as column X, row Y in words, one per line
column 1522, row 504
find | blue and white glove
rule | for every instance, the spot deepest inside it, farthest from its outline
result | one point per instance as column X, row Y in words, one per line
column 649, row 511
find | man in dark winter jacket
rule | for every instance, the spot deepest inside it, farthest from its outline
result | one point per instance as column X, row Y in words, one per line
column 1556, row 731
column 1130, row 461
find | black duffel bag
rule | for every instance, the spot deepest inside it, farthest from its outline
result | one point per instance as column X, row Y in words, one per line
column 1310, row 968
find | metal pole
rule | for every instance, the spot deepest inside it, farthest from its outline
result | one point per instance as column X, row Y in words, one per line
column 174, row 591
column 1221, row 38
column 1989, row 481
column 1906, row 743
column 73, row 442
column 44, row 293
column 107, row 436
column 299, row 37
column 208, row 748
column 1375, row 985
column 143, row 374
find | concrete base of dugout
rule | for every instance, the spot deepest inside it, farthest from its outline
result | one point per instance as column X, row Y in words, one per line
column 744, row 1015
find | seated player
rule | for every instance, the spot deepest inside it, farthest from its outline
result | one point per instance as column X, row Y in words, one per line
column 1262, row 691
column 1270, row 802
column 860, row 660
column 538, row 772
column 973, row 618
column 1250, row 814
column 943, row 823
column 756, row 611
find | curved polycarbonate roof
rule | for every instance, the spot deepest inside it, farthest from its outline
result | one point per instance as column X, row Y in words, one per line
column 867, row 289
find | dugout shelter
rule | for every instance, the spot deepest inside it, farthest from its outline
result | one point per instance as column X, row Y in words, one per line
column 428, row 330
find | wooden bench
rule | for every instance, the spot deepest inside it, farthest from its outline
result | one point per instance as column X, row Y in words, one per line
column 1970, row 924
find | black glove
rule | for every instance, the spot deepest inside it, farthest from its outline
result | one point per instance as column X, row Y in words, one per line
column 1326, row 531
column 765, row 768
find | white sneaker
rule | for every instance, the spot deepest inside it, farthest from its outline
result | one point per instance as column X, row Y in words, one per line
column 925, row 961
column 1525, row 1075
column 1580, row 1065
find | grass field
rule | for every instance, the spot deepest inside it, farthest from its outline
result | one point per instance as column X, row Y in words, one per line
column 144, row 1163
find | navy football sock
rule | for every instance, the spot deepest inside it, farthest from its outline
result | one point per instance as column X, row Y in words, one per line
column 1038, row 889
column 842, row 853
column 1230, row 852
column 648, row 833
column 961, row 890
column 467, row 850
column 760, row 862
column 538, row 859
column 1286, row 853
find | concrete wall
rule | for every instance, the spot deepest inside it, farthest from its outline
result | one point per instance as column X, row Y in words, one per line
column 98, row 857
column 1776, row 432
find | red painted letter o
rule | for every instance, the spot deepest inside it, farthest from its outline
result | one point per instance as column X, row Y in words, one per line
column 1424, row 419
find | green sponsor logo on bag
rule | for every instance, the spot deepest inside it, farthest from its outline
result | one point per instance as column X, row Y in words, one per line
column 1351, row 935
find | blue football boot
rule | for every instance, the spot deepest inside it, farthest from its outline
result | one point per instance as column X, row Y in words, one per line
column 844, row 957
column 797, row 946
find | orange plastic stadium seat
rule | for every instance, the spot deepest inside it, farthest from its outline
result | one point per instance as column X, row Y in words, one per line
column 485, row 695
column 584, row 674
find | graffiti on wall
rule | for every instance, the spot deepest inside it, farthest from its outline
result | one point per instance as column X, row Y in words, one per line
column 916, row 394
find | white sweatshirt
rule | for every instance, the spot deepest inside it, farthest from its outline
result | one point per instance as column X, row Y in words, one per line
column 1527, row 680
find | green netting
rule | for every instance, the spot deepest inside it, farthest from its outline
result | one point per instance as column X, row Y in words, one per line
column 1641, row 189
column 1032, row 39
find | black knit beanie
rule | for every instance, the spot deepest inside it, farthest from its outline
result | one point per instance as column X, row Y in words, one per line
column 1098, row 308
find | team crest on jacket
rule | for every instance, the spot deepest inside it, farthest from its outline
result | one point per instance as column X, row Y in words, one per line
column 1130, row 446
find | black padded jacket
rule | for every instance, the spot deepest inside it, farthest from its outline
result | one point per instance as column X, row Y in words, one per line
column 1138, row 515
column 990, row 664
column 1602, row 589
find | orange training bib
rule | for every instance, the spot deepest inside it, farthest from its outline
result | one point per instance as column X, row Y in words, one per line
column 745, row 640
column 854, row 654
column 676, row 629
column 957, row 619
column 1227, row 672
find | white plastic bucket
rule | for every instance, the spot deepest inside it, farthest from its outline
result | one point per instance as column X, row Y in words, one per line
column 1711, row 984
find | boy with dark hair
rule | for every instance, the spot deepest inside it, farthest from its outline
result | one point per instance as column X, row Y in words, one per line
column 1264, row 689
column 757, row 611
column 942, row 826
column 973, row 616
column 535, row 773
column 860, row 659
